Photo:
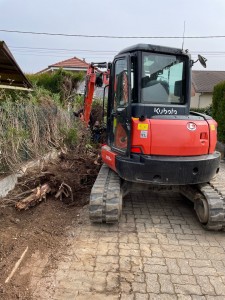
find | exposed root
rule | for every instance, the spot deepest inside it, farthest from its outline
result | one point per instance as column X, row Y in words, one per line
column 64, row 191
column 38, row 195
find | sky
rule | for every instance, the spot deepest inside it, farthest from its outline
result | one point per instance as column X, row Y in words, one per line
column 144, row 18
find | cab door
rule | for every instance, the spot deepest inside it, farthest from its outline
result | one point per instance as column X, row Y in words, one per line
column 120, row 107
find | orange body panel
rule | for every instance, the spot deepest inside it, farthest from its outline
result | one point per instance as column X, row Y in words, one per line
column 108, row 157
column 172, row 137
column 168, row 138
column 140, row 140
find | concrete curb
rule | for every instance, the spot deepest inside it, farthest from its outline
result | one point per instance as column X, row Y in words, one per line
column 8, row 183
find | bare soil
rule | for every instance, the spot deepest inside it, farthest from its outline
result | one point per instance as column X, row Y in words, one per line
column 42, row 227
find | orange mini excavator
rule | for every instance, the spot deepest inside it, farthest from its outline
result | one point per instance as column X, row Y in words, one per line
column 154, row 141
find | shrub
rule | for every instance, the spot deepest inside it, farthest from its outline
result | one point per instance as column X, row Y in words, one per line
column 33, row 123
column 29, row 130
column 218, row 109
column 60, row 82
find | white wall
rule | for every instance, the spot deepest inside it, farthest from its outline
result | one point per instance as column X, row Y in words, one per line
column 201, row 100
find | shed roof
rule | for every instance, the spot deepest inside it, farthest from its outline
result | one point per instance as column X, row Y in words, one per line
column 204, row 81
column 11, row 76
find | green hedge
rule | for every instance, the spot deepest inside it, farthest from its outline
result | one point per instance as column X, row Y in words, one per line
column 218, row 109
column 206, row 110
column 60, row 82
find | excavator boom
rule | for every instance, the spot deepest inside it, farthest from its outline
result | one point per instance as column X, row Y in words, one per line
column 94, row 78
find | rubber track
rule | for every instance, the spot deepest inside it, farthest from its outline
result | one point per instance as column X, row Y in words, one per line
column 106, row 199
column 214, row 193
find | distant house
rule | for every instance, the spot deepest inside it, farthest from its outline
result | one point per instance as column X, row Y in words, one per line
column 73, row 64
column 203, row 83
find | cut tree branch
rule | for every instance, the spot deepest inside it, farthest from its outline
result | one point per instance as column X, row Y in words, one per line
column 38, row 194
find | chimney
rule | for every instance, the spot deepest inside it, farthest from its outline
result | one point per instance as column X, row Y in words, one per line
column 84, row 60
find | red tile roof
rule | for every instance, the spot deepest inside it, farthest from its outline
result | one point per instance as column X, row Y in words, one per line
column 204, row 81
column 73, row 62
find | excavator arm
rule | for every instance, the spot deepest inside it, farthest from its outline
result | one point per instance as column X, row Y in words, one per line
column 94, row 78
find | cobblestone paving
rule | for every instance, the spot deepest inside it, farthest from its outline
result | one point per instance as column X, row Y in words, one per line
column 157, row 251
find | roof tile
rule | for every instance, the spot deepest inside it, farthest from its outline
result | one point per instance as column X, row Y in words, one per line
column 73, row 62
column 204, row 81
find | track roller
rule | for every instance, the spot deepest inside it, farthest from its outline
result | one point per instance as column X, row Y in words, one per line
column 209, row 204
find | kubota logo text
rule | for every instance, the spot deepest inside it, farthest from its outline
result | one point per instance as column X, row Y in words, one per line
column 165, row 111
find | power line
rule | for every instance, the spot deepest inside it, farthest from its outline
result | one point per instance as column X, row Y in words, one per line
column 44, row 50
column 68, row 54
column 111, row 36
column 60, row 55
column 64, row 49
column 98, row 56
column 96, row 51
column 88, row 55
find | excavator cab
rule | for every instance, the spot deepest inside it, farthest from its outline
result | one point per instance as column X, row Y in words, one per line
column 149, row 118
column 154, row 141
column 145, row 81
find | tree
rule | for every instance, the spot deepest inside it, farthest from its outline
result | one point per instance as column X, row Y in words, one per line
column 218, row 109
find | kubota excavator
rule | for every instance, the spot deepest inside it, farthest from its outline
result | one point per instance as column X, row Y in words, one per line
column 154, row 141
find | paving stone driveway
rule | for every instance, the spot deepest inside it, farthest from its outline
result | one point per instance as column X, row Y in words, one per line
column 157, row 251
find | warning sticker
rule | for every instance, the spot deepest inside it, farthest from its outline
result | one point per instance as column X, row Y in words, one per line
column 142, row 126
column 212, row 127
column 144, row 134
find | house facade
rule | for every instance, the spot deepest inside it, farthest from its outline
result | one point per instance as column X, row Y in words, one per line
column 203, row 83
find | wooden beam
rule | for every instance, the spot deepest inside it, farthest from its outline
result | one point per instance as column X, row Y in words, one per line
column 10, row 87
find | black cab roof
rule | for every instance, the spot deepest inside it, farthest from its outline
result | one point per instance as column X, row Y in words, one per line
column 153, row 48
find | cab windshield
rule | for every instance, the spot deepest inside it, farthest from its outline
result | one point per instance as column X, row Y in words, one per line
column 163, row 79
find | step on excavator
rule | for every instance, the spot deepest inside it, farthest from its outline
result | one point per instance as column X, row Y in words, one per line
column 154, row 142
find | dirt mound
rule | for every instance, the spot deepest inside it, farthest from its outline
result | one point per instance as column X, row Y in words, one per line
column 41, row 228
column 68, row 178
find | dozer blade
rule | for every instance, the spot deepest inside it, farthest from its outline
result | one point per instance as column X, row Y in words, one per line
column 106, row 198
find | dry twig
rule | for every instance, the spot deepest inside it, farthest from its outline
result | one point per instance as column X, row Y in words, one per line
column 16, row 266
column 65, row 190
